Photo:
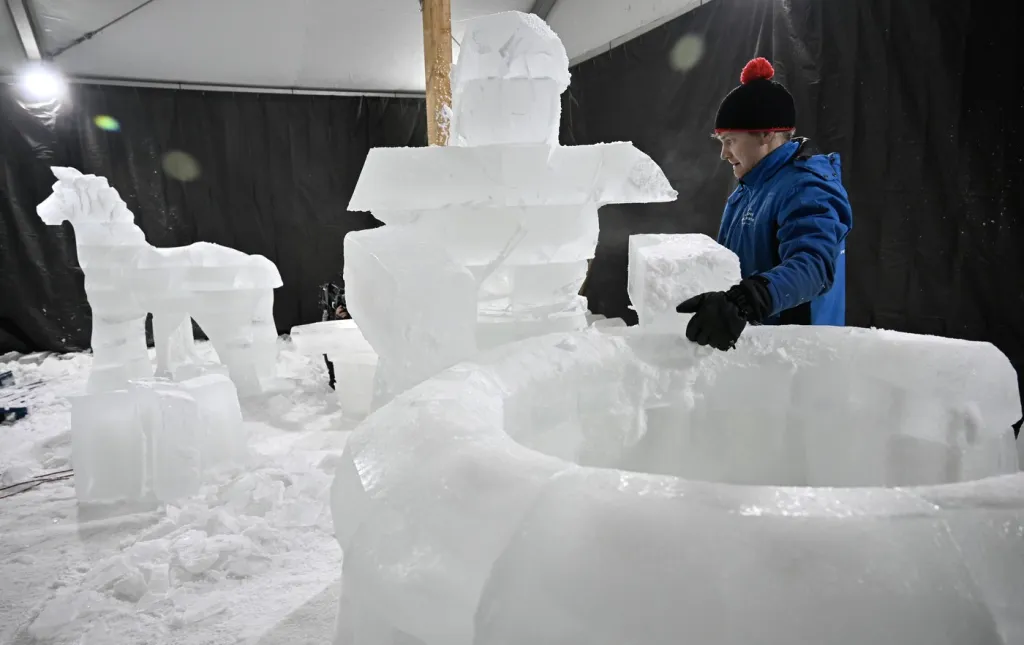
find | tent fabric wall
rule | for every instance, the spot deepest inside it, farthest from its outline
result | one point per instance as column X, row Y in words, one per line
column 276, row 172
column 923, row 100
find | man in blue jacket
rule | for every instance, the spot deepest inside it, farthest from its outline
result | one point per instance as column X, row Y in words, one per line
column 787, row 220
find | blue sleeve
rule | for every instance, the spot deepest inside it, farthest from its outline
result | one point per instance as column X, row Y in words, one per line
column 812, row 225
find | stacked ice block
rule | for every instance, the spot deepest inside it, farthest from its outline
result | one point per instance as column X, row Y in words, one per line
column 488, row 238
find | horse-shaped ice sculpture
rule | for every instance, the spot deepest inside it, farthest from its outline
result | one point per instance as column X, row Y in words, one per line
column 229, row 293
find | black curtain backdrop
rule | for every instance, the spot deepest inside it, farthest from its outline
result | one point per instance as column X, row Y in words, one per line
column 275, row 174
column 923, row 100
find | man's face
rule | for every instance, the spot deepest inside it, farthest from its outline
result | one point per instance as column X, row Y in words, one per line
column 743, row 150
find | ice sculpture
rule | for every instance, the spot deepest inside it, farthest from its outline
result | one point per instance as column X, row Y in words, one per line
column 229, row 293
column 813, row 485
column 486, row 240
column 355, row 362
column 139, row 438
column 816, row 484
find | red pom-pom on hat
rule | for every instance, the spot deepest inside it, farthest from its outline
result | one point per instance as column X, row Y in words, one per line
column 757, row 69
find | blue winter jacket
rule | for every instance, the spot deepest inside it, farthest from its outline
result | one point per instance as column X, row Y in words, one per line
column 787, row 221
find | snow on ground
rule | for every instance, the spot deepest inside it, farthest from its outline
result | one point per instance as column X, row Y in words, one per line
column 227, row 566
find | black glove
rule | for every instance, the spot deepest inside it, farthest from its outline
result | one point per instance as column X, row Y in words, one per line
column 721, row 316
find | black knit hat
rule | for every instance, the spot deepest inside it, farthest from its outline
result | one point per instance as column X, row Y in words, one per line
column 759, row 104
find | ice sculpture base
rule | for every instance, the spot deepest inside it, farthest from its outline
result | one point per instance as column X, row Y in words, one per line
column 847, row 486
column 156, row 440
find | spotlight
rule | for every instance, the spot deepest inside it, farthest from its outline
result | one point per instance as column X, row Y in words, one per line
column 41, row 83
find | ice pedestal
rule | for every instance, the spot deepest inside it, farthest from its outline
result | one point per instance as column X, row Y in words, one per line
column 355, row 362
column 154, row 440
column 504, row 202
column 899, row 520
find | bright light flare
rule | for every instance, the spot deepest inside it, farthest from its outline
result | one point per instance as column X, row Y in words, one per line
column 41, row 84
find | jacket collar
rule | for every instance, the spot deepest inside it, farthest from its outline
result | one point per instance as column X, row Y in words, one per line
column 767, row 167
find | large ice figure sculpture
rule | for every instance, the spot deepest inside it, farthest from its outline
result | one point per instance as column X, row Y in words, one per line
column 504, row 218
column 229, row 293
column 138, row 438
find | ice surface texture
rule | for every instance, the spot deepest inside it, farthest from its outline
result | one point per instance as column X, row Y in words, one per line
column 665, row 270
column 154, row 440
column 514, row 499
column 229, row 293
column 504, row 218
column 507, row 83
column 507, row 176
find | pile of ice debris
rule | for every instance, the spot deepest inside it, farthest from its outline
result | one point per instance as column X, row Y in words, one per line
column 99, row 575
column 232, row 530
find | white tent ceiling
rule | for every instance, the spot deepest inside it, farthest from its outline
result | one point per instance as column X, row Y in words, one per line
column 351, row 45
column 591, row 27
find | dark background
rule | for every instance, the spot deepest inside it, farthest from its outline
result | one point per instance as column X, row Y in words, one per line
column 923, row 100
column 276, row 175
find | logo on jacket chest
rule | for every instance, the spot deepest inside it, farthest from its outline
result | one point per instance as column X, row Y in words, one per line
column 755, row 208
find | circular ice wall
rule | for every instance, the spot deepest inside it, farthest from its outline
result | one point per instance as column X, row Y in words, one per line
column 502, row 501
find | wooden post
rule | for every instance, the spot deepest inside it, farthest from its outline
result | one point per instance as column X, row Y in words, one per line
column 437, row 55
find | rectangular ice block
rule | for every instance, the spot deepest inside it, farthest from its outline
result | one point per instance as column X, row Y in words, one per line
column 665, row 270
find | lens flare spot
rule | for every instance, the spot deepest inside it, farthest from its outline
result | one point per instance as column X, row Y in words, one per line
column 181, row 166
column 106, row 122
column 687, row 52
